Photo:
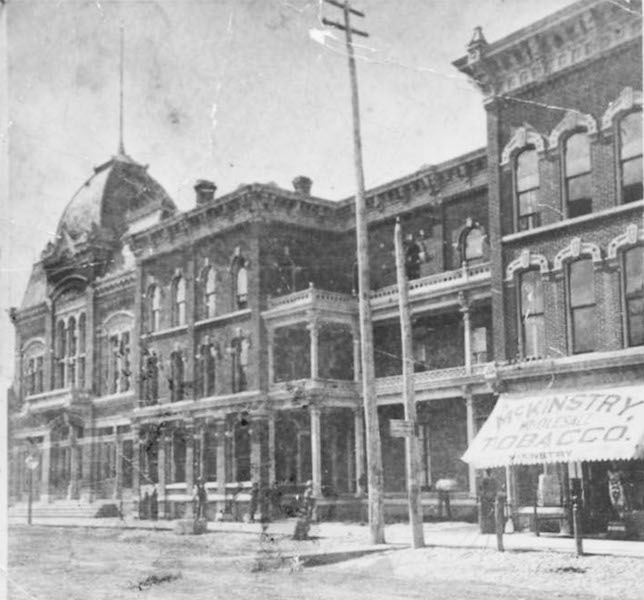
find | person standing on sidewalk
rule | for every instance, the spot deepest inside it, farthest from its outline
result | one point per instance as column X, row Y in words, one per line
column 201, row 498
column 305, row 513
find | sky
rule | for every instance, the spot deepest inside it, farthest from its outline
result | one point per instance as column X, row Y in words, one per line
column 236, row 91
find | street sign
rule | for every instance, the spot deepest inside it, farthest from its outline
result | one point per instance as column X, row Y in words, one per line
column 32, row 463
column 400, row 428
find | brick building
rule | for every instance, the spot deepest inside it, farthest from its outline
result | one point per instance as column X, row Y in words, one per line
column 155, row 346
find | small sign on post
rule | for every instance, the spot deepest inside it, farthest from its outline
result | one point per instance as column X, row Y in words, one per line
column 32, row 464
column 400, row 428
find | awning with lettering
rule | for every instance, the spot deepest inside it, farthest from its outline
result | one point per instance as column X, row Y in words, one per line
column 593, row 424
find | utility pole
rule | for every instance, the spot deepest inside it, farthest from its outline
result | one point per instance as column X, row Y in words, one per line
column 374, row 458
column 411, row 439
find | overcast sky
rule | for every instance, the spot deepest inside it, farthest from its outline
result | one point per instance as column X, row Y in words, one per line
column 236, row 91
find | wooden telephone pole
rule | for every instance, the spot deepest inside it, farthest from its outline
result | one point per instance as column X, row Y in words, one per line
column 411, row 439
column 374, row 458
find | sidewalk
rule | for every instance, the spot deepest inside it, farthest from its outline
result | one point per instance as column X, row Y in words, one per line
column 353, row 537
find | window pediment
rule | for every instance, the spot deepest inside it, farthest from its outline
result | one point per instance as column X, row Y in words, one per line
column 575, row 250
column 633, row 235
column 523, row 136
column 572, row 120
column 627, row 100
column 526, row 260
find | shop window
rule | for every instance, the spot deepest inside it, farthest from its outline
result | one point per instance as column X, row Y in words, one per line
column 208, row 278
column 634, row 295
column 532, row 316
column 630, row 157
column 581, row 302
column 577, row 175
column 527, row 189
column 412, row 261
column 179, row 301
column 176, row 382
column 154, row 308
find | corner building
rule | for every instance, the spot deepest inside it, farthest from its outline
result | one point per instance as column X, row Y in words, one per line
column 154, row 347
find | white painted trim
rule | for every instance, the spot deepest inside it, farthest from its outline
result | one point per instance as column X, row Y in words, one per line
column 526, row 260
column 575, row 250
column 631, row 237
column 572, row 120
column 627, row 100
column 523, row 136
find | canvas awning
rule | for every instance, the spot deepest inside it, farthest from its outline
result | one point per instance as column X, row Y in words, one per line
column 591, row 424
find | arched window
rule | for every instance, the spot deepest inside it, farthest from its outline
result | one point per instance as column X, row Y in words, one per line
column 153, row 299
column 61, row 353
column 531, row 313
column 241, row 281
column 151, row 378
column 176, row 376
column 581, row 305
column 577, row 175
column 207, row 355
column 473, row 245
column 633, row 270
column 526, row 183
column 179, row 301
column 239, row 353
column 34, row 369
column 630, row 156
column 208, row 278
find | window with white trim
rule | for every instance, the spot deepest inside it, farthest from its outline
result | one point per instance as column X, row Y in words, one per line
column 179, row 301
column 633, row 284
column 208, row 279
column 577, row 175
column 581, row 306
column 153, row 301
column 630, row 157
column 526, row 182
column 531, row 312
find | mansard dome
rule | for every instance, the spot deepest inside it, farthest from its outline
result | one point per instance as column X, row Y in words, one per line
column 117, row 196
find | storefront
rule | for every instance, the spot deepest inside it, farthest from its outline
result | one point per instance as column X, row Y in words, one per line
column 562, row 446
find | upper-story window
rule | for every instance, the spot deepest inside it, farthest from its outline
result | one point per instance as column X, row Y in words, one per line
column 179, row 301
column 82, row 343
column 634, row 295
column 527, row 189
column 581, row 305
column 61, row 353
column 119, row 371
column 531, row 307
column 241, row 284
column 176, row 382
column 34, row 369
column 71, row 351
column 578, row 191
column 150, row 377
column 239, row 351
column 473, row 245
column 630, row 156
column 412, row 260
column 206, row 363
column 153, row 298
column 208, row 279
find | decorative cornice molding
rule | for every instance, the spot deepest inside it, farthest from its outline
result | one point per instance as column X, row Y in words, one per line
column 627, row 100
column 524, row 136
column 523, row 262
column 574, row 250
column 572, row 120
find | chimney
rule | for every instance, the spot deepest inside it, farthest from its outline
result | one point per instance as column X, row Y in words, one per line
column 205, row 191
column 302, row 185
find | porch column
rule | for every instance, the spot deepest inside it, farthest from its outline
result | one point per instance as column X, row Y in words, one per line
column 270, row 340
column 161, row 469
column 471, row 433
column 314, row 329
column 190, row 465
column 72, row 491
column 221, row 457
column 118, row 465
column 136, row 460
column 87, row 481
column 271, row 448
column 467, row 332
column 255, row 450
column 358, row 427
column 45, row 468
column 316, row 451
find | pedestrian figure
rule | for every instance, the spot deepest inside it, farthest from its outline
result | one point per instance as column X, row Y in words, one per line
column 254, row 500
column 444, row 486
column 275, row 496
column 154, row 504
column 487, row 496
column 305, row 513
column 201, row 499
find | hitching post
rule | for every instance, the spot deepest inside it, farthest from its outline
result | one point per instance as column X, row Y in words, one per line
column 576, row 520
column 499, row 506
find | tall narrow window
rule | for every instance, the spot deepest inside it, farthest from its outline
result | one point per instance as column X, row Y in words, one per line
column 39, row 374
column 532, row 314
column 124, row 362
column 581, row 298
column 207, row 369
column 151, row 378
column 210, row 296
column 176, row 376
column 31, row 377
column 154, row 308
column 242, row 285
column 527, row 190
column 634, row 295
column 630, row 156
column 412, row 261
column 473, row 242
column 239, row 354
column 179, row 301
column 71, row 351
column 82, row 341
column 114, row 370
column 61, row 353
column 577, row 175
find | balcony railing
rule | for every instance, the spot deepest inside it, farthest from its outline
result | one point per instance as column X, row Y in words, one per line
column 309, row 296
column 58, row 398
column 437, row 282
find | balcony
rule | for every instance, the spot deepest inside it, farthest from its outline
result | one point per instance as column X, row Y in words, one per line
column 56, row 399
column 438, row 382
column 434, row 291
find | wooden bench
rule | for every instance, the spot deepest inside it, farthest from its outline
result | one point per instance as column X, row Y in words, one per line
column 549, row 513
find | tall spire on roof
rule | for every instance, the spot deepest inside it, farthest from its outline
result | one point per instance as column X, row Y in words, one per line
column 121, row 149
